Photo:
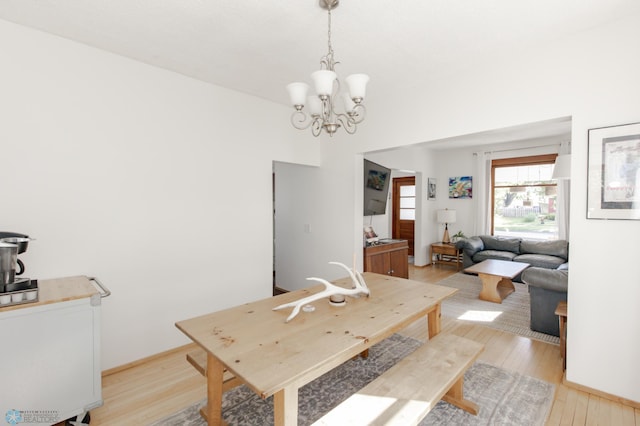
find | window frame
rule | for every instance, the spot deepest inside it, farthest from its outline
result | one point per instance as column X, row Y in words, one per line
column 515, row 162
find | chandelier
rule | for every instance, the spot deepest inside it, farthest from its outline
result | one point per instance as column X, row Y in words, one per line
column 321, row 112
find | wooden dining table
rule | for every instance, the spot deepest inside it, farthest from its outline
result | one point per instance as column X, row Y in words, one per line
column 274, row 357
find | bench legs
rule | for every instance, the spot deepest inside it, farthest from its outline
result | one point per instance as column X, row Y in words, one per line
column 455, row 397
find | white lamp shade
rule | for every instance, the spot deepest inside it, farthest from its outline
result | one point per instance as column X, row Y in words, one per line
column 323, row 81
column 298, row 93
column 348, row 103
column 446, row 216
column 357, row 84
column 562, row 168
column 315, row 105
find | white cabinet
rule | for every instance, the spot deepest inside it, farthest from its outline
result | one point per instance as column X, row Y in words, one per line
column 50, row 353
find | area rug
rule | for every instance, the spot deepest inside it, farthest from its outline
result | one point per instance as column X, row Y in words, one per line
column 504, row 397
column 511, row 315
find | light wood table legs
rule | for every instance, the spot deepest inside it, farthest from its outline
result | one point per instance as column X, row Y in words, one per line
column 561, row 311
column 495, row 288
column 213, row 410
column 285, row 407
column 433, row 318
column 285, row 402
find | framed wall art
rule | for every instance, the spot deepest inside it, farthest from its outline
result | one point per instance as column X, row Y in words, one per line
column 461, row 187
column 431, row 188
column 614, row 172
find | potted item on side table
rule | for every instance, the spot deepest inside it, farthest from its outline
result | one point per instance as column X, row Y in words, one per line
column 458, row 236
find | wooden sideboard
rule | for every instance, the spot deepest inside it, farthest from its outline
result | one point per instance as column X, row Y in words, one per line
column 388, row 258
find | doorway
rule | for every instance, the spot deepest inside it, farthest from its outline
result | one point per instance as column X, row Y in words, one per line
column 295, row 215
column 404, row 210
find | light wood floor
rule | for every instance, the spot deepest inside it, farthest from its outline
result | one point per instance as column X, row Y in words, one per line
column 167, row 383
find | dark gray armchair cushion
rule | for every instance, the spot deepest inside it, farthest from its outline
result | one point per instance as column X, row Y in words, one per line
column 470, row 246
column 559, row 248
column 547, row 287
column 493, row 254
column 501, row 243
column 540, row 260
column 549, row 279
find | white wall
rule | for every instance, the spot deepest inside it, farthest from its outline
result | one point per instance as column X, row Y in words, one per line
column 591, row 77
column 149, row 180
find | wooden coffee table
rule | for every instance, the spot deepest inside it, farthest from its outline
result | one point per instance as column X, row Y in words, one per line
column 496, row 278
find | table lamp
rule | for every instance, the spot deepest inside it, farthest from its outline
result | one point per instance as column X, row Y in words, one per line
column 446, row 216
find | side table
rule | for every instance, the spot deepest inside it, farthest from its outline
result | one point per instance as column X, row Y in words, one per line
column 561, row 311
column 446, row 254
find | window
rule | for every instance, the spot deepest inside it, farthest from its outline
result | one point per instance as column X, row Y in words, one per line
column 524, row 197
column 408, row 202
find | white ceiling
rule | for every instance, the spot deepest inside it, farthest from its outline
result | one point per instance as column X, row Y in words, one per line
column 257, row 46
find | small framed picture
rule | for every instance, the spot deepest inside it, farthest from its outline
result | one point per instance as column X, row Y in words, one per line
column 614, row 172
column 431, row 188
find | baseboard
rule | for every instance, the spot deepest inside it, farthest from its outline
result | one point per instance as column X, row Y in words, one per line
column 614, row 398
column 114, row 370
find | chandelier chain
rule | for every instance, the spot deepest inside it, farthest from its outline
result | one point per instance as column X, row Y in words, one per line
column 328, row 60
column 329, row 33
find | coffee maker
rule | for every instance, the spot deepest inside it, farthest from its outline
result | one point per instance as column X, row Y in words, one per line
column 11, row 245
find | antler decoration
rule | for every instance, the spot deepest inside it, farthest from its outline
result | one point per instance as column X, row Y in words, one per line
column 359, row 287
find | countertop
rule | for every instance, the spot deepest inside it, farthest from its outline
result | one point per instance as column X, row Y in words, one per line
column 59, row 290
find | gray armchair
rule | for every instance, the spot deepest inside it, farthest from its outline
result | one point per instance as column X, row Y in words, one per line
column 547, row 287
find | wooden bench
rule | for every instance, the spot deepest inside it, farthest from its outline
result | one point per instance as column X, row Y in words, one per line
column 404, row 394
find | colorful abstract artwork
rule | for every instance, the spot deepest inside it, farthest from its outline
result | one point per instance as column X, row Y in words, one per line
column 460, row 187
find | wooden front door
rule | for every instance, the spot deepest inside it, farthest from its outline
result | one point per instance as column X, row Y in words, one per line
column 404, row 210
